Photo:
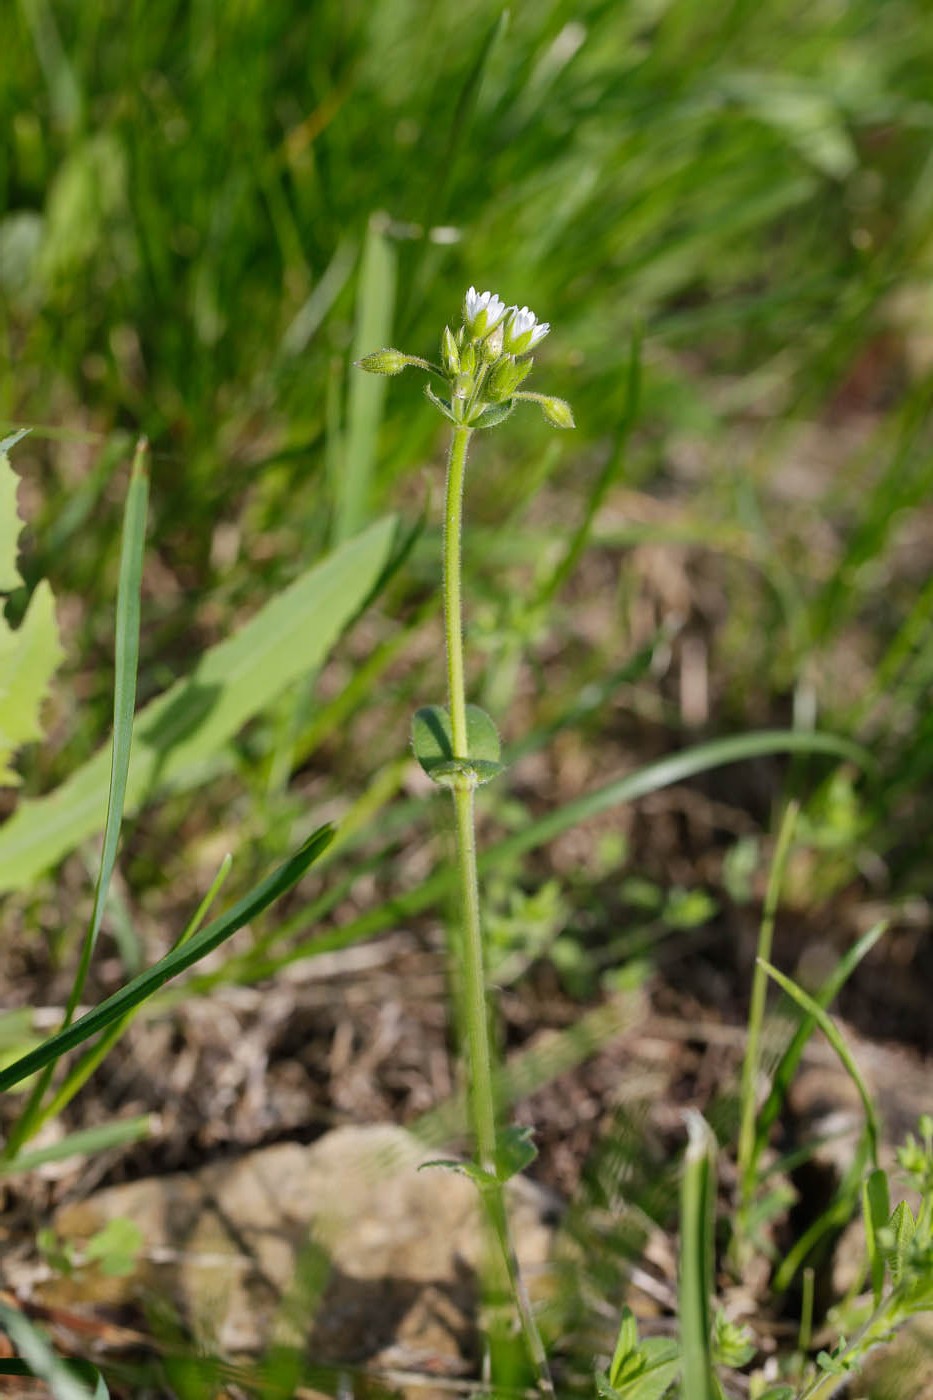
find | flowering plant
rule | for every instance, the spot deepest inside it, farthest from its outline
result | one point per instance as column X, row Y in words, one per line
column 482, row 364
column 482, row 367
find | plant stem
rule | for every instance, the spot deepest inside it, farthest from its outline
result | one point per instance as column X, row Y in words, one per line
column 479, row 1056
column 474, row 984
column 453, row 625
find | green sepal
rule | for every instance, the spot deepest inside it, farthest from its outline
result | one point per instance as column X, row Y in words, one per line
column 441, row 405
column 492, row 416
column 432, row 743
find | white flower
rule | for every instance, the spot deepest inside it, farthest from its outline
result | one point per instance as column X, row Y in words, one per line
column 523, row 331
column 482, row 312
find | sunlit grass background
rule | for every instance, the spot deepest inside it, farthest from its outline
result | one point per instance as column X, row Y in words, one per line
column 725, row 212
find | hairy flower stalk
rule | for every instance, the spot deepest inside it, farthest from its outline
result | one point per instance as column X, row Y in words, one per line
column 482, row 365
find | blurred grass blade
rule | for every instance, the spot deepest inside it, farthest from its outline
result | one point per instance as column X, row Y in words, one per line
column 179, row 960
column 86, row 1143
column 747, row 1157
column 179, row 737
column 375, row 308
column 611, row 469
column 787, row 1065
column 463, row 116
column 834, row 1218
column 876, row 1211
column 124, row 700
column 126, row 663
column 39, row 1359
column 64, row 92
column 834, row 1036
column 697, row 1206
column 81, row 1072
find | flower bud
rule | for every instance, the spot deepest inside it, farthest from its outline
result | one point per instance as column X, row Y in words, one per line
column 462, row 386
column 468, row 359
column 523, row 331
column 557, row 412
column 491, row 347
column 482, row 312
column 505, row 379
column 386, row 361
column 450, row 353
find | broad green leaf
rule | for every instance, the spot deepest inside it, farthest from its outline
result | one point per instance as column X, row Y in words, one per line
column 515, row 1151
column 658, row 1362
column 494, row 415
column 30, row 655
column 432, row 743
column 10, row 523
column 179, row 737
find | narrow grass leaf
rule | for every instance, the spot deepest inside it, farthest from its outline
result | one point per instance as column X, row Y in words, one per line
column 834, row 1036
column 87, row 1143
column 876, row 1209
column 747, row 1159
column 375, row 308
column 81, row 1072
column 179, row 960
column 39, row 1360
column 787, row 1065
column 835, row 1217
column 614, row 464
column 697, row 1205
column 124, row 702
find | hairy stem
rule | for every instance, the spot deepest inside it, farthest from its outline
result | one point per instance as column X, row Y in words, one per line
column 479, row 1055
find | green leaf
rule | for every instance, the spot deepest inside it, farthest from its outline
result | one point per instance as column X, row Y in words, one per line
column 441, row 405
column 432, row 742
column 115, row 1247
column 787, row 1065
column 89, row 1142
column 127, row 656
column 10, row 523
column 834, row 1036
column 179, row 738
column 876, row 1208
column 29, row 656
column 655, row 1364
column 515, row 1151
column 698, row 1195
column 494, row 415
column 39, row 1359
column 483, row 1179
column 178, row 960
column 626, row 1345
column 902, row 1226
column 375, row 307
